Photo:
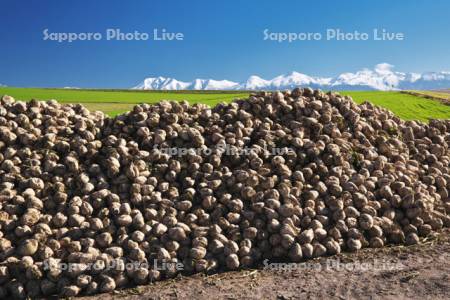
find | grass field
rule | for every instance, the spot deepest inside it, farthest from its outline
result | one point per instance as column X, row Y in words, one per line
column 444, row 94
column 113, row 102
column 408, row 107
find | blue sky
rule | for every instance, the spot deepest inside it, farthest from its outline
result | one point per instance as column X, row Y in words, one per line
column 222, row 40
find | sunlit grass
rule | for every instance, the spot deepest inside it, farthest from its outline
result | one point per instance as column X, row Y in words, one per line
column 113, row 102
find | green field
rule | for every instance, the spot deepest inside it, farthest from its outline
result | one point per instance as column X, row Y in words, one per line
column 444, row 94
column 114, row 102
column 407, row 107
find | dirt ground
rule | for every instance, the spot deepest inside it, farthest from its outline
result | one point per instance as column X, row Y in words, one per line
column 415, row 272
column 439, row 95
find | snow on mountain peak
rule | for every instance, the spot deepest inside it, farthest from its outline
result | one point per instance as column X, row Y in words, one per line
column 381, row 77
column 255, row 82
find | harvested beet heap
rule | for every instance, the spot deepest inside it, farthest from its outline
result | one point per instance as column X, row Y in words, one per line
column 283, row 176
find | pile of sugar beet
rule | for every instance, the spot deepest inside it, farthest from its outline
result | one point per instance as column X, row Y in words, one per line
column 284, row 176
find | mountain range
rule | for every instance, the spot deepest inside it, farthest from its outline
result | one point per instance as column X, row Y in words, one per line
column 382, row 77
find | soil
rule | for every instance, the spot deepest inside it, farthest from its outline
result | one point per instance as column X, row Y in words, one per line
column 424, row 95
column 444, row 91
column 398, row 272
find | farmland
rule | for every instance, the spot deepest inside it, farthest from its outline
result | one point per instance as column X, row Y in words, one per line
column 113, row 102
column 106, row 185
column 408, row 107
column 441, row 94
column 413, row 272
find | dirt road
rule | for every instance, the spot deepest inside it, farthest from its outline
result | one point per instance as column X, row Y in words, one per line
column 416, row 272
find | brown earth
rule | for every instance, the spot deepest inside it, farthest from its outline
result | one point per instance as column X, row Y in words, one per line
column 444, row 91
column 423, row 94
column 414, row 272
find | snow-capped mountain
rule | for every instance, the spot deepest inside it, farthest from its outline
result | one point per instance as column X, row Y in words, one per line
column 211, row 84
column 295, row 79
column 163, row 83
column 382, row 77
column 255, row 83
